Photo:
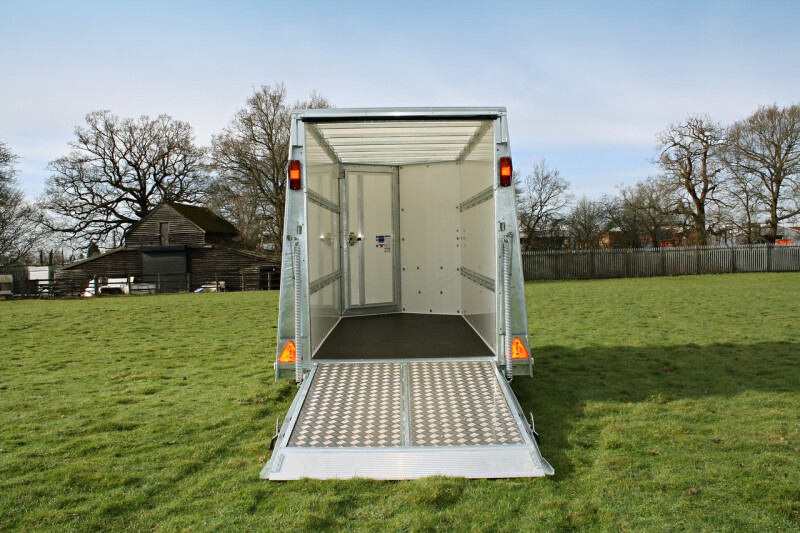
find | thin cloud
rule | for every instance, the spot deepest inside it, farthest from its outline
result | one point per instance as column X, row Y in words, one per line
column 587, row 84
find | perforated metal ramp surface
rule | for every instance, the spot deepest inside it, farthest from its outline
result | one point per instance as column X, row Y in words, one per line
column 351, row 405
column 401, row 420
column 459, row 404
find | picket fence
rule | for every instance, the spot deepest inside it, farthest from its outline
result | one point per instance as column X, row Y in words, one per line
column 642, row 262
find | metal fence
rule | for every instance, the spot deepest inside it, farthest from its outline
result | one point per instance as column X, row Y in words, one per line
column 245, row 280
column 642, row 262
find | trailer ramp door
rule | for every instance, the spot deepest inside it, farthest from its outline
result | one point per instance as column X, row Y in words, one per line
column 404, row 420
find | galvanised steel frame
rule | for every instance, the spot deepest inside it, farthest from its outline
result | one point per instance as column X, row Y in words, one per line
column 296, row 233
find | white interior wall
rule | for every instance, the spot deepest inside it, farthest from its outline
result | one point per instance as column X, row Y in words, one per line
column 478, row 249
column 323, row 180
column 430, row 238
column 323, row 251
column 436, row 240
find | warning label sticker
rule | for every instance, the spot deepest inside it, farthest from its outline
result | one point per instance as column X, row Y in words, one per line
column 385, row 242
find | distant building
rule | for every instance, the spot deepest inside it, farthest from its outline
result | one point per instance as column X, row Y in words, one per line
column 784, row 235
column 790, row 233
column 176, row 247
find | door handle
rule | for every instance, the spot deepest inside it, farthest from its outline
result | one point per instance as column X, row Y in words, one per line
column 352, row 239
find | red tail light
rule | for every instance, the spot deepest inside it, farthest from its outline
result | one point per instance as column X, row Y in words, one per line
column 505, row 171
column 294, row 174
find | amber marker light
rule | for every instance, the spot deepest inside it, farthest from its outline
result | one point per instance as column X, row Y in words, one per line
column 518, row 350
column 289, row 353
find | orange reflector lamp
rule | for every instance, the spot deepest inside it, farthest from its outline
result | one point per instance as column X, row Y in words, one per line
column 518, row 350
column 294, row 174
column 505, row 171
column 289, row 353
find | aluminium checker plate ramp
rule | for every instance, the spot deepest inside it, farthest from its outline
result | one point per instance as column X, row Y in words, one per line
column 404, row 420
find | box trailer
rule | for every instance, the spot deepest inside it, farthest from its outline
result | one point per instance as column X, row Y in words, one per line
column 402, row 307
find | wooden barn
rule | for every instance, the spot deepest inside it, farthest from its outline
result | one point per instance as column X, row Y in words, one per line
column 176, row 247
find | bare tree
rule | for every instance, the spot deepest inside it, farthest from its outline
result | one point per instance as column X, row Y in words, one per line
column 236, row 203
column 742, row 195
column 19, row 232
column 118, row 171
column 689, row 155
column 585, row 222
column 7, row 164
column 766, row 147
column 623, row 226
column 645, row 209
column 250, row 157
column 542, row 196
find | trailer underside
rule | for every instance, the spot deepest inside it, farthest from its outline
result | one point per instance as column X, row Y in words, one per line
column 404, row 420
column 397, row 335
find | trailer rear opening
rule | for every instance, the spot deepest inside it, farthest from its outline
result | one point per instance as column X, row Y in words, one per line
column 401, row 262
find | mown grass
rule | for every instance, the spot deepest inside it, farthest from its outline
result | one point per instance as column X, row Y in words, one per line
column 664, row 404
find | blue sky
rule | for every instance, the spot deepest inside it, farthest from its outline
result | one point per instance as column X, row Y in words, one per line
column 587, row 84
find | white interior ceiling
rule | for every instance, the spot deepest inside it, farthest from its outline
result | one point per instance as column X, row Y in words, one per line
column 399, row 142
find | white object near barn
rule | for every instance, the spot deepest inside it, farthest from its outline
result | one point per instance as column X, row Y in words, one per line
column 402, row 307
column 6, row 285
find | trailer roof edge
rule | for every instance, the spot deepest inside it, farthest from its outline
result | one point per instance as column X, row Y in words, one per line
column 398, row 113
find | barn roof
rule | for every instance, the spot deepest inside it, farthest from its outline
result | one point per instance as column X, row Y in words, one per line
column 92, row 258
column 204, row 218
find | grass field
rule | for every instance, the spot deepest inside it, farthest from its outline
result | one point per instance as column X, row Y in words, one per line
column 664, row 404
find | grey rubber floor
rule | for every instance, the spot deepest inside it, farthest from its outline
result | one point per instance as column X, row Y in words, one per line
column 402, row 335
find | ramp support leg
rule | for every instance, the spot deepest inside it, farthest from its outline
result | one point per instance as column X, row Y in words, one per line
column 278, row 432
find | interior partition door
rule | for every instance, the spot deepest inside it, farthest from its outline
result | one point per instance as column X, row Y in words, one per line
column 370, row 225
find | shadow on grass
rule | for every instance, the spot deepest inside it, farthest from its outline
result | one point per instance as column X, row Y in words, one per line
column 565, row 380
